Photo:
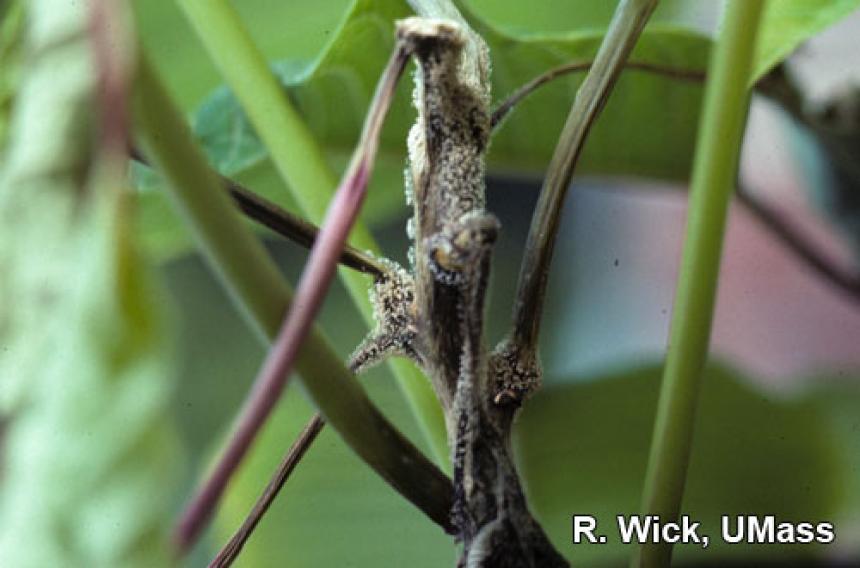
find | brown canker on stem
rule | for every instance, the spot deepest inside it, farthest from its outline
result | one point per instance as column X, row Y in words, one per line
column 454, row 237
column 446, row 147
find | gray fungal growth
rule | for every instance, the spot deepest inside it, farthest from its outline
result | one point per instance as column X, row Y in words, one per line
column 393, row 298
column 435, row 313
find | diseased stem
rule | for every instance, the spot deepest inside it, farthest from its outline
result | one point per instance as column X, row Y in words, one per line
column 303, row 233
column 714, row 173
column 301, row 163
column 263, row 295
column 627, row 24
column 442, row 322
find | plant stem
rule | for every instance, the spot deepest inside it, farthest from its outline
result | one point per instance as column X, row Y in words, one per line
column 228, row 554
column 626, row 26
column 301, row 163
column 775, row 85
column 713, row 179
column 296, row 229
column 679, row 73
column 280, row 221
column 263, row 295
column 313, row 286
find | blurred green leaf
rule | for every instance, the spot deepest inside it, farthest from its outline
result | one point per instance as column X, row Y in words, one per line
column 281, row 29
column 788, row 23
column 89, row 453
column 649, row 121
column 332, row 94
column 583, row 449
column 11, row 41
column 552, row 17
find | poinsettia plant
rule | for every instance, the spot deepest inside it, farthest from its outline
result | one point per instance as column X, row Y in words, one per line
column 123, row 361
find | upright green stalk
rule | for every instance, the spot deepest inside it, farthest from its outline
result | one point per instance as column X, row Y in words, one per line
column 714, row 173
column 301, row 164
column 255, row 283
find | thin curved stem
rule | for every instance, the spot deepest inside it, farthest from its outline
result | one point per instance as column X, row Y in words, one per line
column 624, row 30
column 231, row 550
column 228, row 554
column 263, row 295
column 286, row 224
column 299, row 159
column 296, row 229
column 692, row 75
column 777, row 86
column 313, row 285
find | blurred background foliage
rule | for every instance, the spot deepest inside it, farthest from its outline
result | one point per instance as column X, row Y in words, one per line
column 779, row 431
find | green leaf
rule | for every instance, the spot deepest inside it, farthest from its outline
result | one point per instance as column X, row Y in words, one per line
column 11, row 56
column 647, row 129
column 583, row 449
column 89, row 455
column 333, row 92
column 648, row 123
column 282, row 29
column 788, row 23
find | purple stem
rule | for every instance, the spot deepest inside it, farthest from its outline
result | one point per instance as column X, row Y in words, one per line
column 112, row 62
column 313, row 285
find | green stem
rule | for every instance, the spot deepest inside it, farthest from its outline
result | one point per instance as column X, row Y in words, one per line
column 713, row 179
column 258, row 288
column 301, row 163
column 624, row 30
